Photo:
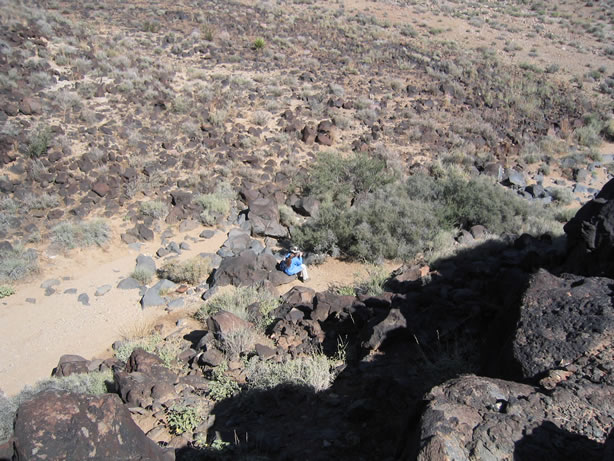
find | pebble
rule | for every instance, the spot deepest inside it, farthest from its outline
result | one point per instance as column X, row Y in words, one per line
column 84, row 299
column 103, row 290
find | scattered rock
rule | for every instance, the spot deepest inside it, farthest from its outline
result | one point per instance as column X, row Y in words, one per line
column 129, row 284
column 84, row 299
column 103, row 290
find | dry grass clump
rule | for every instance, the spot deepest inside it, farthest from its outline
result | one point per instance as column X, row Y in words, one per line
column 192, row 271
column 84, row 234
column 314, row 371
column 17, row 263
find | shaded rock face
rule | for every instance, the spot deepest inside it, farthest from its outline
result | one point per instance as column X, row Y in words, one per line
column 248, row 268
column 63, row 426
column 489, row 419
column 590, row 236
column 562, row 320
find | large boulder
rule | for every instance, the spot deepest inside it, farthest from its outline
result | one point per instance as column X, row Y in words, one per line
column 491, row 420
column 60, row 425
column 560, row 321
column 245, row 269
column 590, row 236
column 263, row 216
column 142, row 377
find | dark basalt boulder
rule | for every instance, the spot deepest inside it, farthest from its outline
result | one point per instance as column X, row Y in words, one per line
column 60, row 425
column 489, row 419
column 590, row 236
column 562, row 320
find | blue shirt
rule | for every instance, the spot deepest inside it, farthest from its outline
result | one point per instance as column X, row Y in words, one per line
column 294, row 267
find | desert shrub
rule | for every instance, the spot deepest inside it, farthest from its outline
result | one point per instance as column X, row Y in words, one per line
column 562, row 195
column 17, row 263
column 42, row 201
column 373, row 283
column 192, row 271
column 216, row 204
column 155, row 208
column 238, row 341
column 221, row 385
column 482, row 201
column 38, row 142
column 143, row 275
column 400, row 220
column 84, row 234
column 182, row 418
column 258, row 43
column 287, row 216
column 260, row 117
column 313, row 371
column 588, row 135
column 6, row 291
column 237, row 300
column 340, row 179
column 166, row 349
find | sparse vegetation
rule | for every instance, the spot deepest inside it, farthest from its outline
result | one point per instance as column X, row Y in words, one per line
column 313, row 371
column 84, row 234
column 143, row 275
column 192, row 271
column 182, row 418
column 222, row 386
column 155, row 208
column 38, row 142
column 6, row 291
column 215, row 205
column 237, row 300
column 17, row 263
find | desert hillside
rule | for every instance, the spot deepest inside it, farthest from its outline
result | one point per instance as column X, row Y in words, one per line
column 442, row 166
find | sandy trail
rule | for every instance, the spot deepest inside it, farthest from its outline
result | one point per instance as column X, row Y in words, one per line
column 33, row 336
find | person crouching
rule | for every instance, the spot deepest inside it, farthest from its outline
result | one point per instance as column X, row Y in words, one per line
column 292, row 264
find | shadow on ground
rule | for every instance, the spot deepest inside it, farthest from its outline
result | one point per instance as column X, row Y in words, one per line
column 460, row 321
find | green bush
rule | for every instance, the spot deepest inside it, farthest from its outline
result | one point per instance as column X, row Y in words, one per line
column 148, row 343
column 373, row 283
column 6, row 291
column 401, row 220
column 192, row 271
column 259, row 43
column 17, row 263
column 38, row 142
column 237, row 300
column 72, row 235
column 182, row 418
column 143, row 275
column 313, row 371
column 155, row 208
column 339, row 179
column 221, row 385
column 216, row 204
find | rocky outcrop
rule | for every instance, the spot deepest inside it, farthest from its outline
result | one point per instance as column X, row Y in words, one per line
column 64, row 426
column 489, row 419
column 562, row 320
column 590, row 236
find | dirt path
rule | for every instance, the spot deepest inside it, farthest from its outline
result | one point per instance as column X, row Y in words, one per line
column 33, row 336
